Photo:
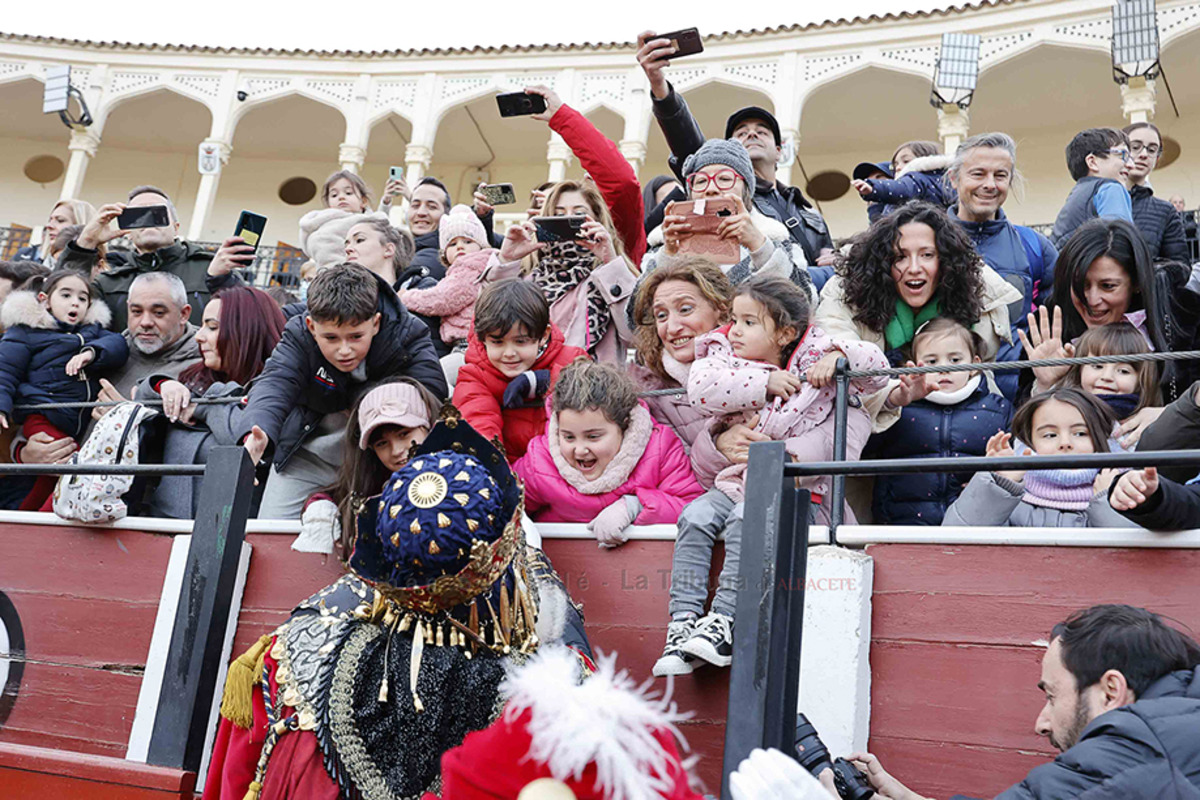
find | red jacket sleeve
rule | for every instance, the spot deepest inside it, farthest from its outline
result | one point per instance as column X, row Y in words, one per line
column 676, row 487
column 613, row 175
column 478, row 405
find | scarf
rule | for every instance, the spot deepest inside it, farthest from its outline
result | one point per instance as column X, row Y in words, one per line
column 957, row 396
column 676, row 370
column 1123, row 405
column 562, row 267
column 904, row 323
column 1064, row 489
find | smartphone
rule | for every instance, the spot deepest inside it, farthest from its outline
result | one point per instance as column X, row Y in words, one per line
column 395, row 173
column 704, row 216
column 687, row 42
column 559, row 229
column 519, row 104
column 143, row 217
column 250, row 227
column 499, row 194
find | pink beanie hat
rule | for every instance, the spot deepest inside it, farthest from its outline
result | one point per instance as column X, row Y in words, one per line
column 461, row 221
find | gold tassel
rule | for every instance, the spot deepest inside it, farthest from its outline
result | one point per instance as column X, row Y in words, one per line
column 414, row 669
column 497, row 629
column 245, row 673
column 383, row 688
column 254, row 790
column 441, row 636
column 505, row 612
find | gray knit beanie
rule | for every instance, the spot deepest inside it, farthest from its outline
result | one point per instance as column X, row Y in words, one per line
column 728, row 152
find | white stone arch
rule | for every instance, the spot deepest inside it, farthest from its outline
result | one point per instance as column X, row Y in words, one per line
column 990, row 60
column 812, row 81
column 114, row 99
column 455, row 91
column 263, row 90
column 389, row 97
column 13, row 71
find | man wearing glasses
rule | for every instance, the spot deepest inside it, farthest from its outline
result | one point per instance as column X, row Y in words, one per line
column 1160, row 224
column 1099, row 160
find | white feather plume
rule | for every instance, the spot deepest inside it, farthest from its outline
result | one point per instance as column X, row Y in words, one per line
column 606, row 719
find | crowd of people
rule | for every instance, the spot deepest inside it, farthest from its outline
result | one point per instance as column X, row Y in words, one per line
column 549, row 345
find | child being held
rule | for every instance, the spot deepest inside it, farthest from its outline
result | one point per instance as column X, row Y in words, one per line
column 1127, row 388
column 604, row 460
column 750, row 371
column 514, row 356
column 347, row 203
column 55, row 346
column 1059, row 422
column 465, row 253
column 946, row 414
column 355, row 332
column 920, row 170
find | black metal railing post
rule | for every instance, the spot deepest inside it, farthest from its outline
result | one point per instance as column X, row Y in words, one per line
column 764, row 680
column 201, row 618
column 841, row 410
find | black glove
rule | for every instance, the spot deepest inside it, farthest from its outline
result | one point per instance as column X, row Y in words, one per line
column 526, row 389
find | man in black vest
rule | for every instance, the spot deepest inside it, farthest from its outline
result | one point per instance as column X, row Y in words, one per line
column 1099, row 161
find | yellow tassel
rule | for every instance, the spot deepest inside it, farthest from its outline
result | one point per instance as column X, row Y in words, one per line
column 254, row 790
column 237, row 704
column 505, row 613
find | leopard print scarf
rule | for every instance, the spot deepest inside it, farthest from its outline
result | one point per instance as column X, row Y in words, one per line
column 562, row 267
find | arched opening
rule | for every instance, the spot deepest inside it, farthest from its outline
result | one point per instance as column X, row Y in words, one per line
column 290, row 137
column 474, row 142
column 863, row 116
column 27, row 134
column 711, row 104
column 385, row 148
column 150, row 139
column 1181, row 60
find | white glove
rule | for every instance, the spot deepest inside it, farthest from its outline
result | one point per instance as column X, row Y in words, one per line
column 770, row 775
column 320, row 527
column 611, row 526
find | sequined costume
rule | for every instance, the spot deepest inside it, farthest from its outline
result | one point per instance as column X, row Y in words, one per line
column 373, row 678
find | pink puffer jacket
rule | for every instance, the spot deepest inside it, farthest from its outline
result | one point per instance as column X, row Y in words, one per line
column 651, row 464
column 453, row 299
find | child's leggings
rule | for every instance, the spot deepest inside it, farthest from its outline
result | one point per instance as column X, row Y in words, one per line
column 43, row 487
column 700, row 525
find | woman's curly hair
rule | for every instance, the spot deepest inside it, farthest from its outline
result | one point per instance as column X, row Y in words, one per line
column 869, row 289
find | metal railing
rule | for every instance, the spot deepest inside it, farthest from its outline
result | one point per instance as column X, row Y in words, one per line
column 272, row 266
column 11, row 240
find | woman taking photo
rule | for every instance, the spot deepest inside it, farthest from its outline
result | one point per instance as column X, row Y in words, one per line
column 240, row 328
column 907, row 268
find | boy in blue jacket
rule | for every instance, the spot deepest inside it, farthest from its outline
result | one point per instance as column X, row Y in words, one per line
column 1099, row 160
column 355, row 332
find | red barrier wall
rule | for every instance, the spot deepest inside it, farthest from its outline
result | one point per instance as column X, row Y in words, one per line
column 957, row 637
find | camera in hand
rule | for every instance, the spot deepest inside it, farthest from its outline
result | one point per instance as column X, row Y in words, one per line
column 812, row 754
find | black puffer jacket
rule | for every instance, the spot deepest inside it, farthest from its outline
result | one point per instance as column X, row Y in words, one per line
column 427, row 255
column 298, row 386
column 1160, row 225
column 684, row 137
column 1149, row 750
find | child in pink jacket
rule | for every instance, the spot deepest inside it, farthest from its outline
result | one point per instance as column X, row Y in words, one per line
column 751, row 372
column 604, row 460
column 465, row 253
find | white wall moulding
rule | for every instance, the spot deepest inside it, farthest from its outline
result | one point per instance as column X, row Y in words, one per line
column 760, row 74
column 207, row 86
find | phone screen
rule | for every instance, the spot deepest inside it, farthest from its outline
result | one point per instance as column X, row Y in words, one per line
column 143, row 217
column 250, row 227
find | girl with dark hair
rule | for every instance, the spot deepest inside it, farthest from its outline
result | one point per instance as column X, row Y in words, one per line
column 1059, row 422
column 1104, row 275
column 239, row 329
column 907, row 268
column 1127, row 388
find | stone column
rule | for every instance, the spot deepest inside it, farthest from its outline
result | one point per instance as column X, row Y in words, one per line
column 206, row 194
column 417, row 159
column 954, row 125
column 1139, row 99
column 351, row 157
column 558, row 156
column 83, row 145
column 634, row 152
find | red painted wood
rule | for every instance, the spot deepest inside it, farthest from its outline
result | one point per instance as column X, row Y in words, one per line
column 958, row 633
column 53, row 765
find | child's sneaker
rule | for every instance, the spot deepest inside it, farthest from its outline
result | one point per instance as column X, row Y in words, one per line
column 674, row 661
column 712, row 640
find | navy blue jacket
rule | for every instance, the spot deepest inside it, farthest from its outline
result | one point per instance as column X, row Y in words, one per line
column 1149, row 750
column 34, row 354
column 922, row 178
column 298, row 386
column 1022, row 256
column 929, row 430
column 1160, row 225
column 427, row 254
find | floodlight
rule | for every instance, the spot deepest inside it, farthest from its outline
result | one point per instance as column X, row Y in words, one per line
column 956, row 71
column 1134, row 40
column 56, row 98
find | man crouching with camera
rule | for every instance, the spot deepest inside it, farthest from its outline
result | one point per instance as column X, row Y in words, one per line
column 1122, row 704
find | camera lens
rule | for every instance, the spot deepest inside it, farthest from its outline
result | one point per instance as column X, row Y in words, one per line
column 810, row 750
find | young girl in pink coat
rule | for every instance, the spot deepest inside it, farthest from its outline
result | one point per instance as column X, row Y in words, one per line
column 603, row 459
column 750, row 372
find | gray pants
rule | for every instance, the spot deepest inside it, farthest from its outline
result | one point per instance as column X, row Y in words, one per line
column 311, row 468
column 701, row 522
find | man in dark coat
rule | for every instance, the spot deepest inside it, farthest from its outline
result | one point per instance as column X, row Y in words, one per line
column 297, row 406
column 157, row 250
column 754, row 127
column 1122, row 704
